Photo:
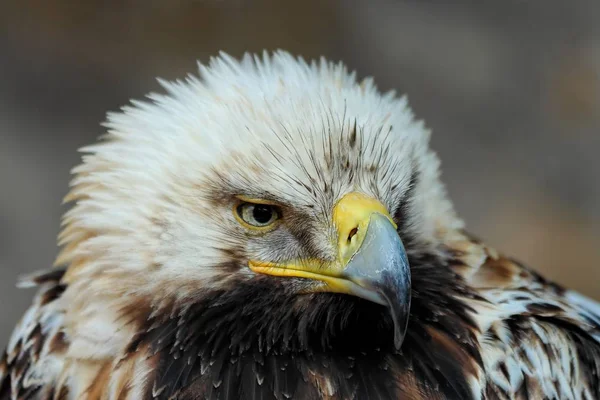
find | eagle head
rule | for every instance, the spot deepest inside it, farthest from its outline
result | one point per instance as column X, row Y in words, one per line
column 269, row 202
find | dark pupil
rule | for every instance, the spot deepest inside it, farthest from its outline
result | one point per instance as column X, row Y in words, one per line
column 262, row 213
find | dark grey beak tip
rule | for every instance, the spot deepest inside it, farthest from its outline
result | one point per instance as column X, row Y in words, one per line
column 398, row 303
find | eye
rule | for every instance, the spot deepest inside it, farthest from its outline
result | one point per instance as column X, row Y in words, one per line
column 258, row 215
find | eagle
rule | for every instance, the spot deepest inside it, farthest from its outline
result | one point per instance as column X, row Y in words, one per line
column 273, row 228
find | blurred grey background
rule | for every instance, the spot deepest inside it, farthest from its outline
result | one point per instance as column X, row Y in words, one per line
column 510, row 88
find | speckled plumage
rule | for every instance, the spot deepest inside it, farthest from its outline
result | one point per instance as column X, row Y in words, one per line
column 152, row 296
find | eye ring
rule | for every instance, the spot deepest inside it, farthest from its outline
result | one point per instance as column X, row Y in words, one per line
column 255, row 215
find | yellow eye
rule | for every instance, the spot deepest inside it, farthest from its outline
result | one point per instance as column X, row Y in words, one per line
column 257, row 215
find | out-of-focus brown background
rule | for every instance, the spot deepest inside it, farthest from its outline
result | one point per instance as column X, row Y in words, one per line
column 510, row 88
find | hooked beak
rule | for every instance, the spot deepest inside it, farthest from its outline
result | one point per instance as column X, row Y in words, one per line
column 371, row 263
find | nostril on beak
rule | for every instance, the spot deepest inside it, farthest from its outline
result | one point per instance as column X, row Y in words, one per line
column 353, row 232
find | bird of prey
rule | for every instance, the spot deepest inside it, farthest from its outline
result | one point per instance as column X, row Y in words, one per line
column 277, row 229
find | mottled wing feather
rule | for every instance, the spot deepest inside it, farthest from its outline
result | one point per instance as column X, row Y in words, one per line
column 37, row 344
column 539, row 340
